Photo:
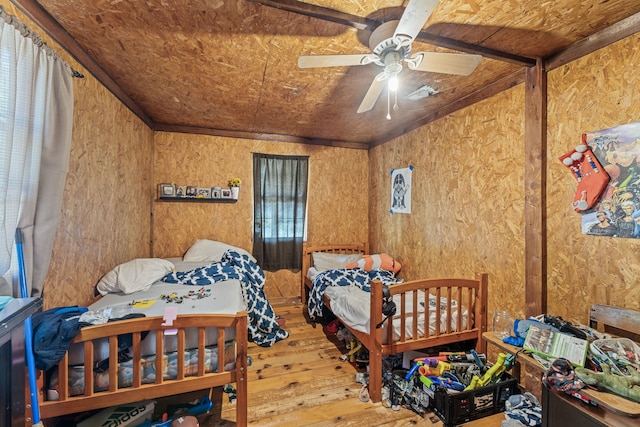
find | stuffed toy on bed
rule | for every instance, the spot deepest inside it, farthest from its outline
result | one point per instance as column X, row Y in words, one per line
column 378, row 261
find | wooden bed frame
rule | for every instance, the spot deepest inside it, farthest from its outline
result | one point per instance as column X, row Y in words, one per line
column 471, row 293
column 116, row 396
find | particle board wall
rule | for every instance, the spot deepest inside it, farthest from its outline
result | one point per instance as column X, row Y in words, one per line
column 107, row 195
column 467, row 198
column 337, row 199
column 595, row 92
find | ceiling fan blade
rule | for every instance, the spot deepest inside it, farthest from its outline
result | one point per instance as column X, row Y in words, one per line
column 414, row 18
column 447, row 63
column 318, row 61
column 373, row 93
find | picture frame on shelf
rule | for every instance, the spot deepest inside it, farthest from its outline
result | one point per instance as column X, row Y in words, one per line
column 166, row 190
column 203, row 193
column 191, row 191
column 181, row 191
column 225, row 193
column 215, row 193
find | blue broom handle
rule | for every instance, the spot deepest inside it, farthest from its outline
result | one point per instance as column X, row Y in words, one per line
column 28, row 333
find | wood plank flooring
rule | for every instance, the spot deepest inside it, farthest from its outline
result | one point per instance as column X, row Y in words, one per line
column 302, row 382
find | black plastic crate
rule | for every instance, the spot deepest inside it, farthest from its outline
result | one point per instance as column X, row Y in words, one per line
column 457, row 408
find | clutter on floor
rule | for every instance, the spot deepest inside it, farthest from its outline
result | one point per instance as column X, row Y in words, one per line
column 456, row 386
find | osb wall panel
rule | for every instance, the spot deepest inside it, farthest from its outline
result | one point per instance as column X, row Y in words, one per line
column 337, row 199
column 467, row 199
column 107, row 197
column 596, row 92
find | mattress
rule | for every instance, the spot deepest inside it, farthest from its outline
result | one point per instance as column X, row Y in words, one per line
column 218, row 298
column 223, row 297
column 148, row 370
column 352, row 306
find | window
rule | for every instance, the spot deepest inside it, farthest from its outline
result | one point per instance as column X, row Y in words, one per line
column 36, row 116
column 280, row 205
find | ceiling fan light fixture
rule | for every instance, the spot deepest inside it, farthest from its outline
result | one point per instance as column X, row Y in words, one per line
column 393, row 83
column 390, row 45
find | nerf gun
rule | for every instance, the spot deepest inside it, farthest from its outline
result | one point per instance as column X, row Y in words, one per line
column 443, row 381
column 421, row 365
column 503, row 363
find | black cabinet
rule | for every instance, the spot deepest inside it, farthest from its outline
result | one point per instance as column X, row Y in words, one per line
column 13, row 370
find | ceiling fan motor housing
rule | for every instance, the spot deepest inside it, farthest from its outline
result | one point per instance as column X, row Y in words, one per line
column 382, row 41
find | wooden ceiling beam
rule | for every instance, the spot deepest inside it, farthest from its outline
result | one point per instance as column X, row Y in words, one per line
column 486, row 52
column 320, row 12
column 260, row 136
column 603, row 38
column 365, row 24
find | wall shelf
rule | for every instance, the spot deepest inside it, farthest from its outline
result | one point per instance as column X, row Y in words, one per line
column 194, row 200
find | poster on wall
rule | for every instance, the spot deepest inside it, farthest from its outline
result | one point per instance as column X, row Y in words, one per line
column 401, row 190
column 617, row 213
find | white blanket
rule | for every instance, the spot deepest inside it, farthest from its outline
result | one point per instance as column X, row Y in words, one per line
column 352, row 306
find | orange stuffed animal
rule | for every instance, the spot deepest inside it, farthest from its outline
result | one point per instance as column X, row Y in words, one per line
column 378, row 261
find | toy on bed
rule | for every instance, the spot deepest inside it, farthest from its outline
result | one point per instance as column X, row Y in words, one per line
column 430, row 312
column 375, row 262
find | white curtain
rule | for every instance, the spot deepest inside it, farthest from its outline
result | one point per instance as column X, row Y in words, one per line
column 36, row 118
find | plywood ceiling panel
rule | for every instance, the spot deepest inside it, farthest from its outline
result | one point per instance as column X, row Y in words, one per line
column 230, row 66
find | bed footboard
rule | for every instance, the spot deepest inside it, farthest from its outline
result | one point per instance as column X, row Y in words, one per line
column 446, row 311
column 184, row 377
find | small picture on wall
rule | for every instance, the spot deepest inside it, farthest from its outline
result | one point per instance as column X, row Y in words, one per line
column 215, row 193
column 225, row 193
column 401, row 190
column 181, row 191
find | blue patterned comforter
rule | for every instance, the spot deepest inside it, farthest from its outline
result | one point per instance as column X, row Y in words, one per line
column 344, row 277
column 263, row 326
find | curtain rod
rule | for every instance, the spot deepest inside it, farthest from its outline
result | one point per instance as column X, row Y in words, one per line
column 26, row 32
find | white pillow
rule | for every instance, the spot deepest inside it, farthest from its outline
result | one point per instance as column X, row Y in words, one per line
column 205, row 251
column 326, row 261
column 211, row 251
column 135, row 275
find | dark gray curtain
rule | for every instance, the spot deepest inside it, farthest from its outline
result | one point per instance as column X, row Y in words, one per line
column 280, row 205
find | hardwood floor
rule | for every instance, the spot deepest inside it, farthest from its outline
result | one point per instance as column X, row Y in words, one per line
column 302, row 382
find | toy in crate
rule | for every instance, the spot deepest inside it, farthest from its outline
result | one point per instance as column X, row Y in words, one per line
column 463, row 388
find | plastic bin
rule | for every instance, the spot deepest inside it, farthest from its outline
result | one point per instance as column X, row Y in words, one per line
column 457, row 408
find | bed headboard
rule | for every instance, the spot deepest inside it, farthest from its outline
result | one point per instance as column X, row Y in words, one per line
column 307, row 259
column 622, row 322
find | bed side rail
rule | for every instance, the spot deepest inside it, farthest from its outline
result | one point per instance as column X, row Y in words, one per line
column 197, row 378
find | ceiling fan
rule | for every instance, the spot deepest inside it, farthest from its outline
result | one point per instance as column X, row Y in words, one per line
column 390, row 45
